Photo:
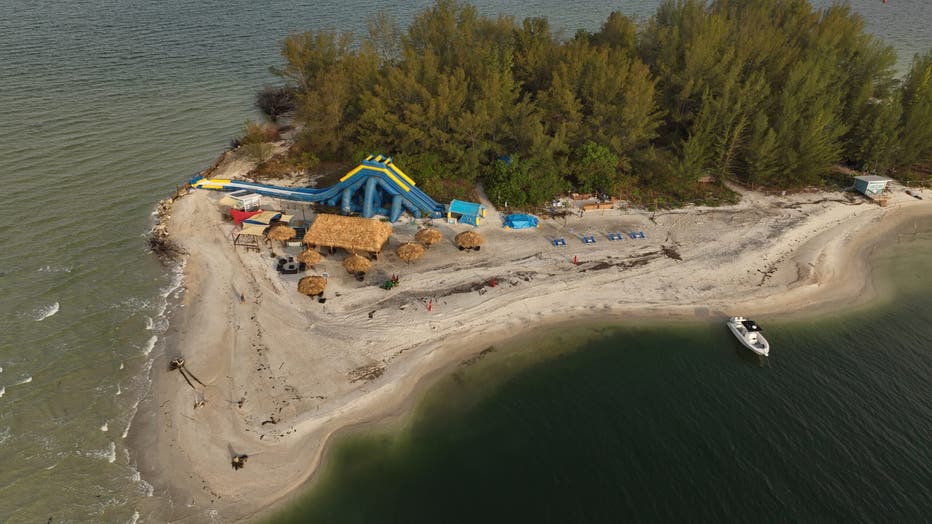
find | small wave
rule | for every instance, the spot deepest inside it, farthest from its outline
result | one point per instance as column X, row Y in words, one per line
column 147, row 348
column 119, row 391
column 2, row 391
column 46, row 312
column 109, row 453
column 149, row 324
column 135, row 518
column 121, row 365
column 26, row 380
column 55, row 269
column 144, row 486
column 132, row 414
column 105, row 427
column 5, row 435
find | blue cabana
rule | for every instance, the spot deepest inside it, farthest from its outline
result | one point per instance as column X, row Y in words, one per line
column 465, row 212
column 520, row 221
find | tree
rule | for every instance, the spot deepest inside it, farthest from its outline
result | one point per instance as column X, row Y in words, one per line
column 275, row 101
column 597, row 168
column 916, row 121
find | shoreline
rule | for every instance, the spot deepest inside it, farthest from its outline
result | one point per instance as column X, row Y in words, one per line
column 812, row 261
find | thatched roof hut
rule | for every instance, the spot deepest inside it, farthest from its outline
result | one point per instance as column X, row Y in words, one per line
column 428, row 236
column 409, row 252
column 353, row 234
column 312, row 285
column 310, row 257
column 469, row 240
column 281, row 233
column 356, row 264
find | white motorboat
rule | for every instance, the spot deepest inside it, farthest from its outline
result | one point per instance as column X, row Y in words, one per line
column 749, row 333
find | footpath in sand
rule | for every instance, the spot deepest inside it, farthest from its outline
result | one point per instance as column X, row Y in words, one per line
column 283, row 371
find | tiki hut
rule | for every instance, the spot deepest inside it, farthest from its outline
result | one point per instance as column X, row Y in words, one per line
column 356, row 264
column 428, row 236
column 312, row 285
column 354, row 234
column 409, row 252
column 469, row 240
column 281, row 233
column 309, row 257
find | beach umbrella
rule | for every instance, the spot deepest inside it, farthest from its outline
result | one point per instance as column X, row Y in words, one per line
column 310, row 257
column 409, row 252
column 312, row 285
column 356, row 264
column 428, row 236
column 281, row 233
column 469, row 240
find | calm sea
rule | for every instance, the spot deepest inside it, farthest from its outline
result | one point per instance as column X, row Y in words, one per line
column 106, row 106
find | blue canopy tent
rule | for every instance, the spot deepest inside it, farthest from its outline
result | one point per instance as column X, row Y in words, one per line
column 520, row 221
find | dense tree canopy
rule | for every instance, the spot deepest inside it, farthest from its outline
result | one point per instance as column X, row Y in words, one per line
column 766, row 92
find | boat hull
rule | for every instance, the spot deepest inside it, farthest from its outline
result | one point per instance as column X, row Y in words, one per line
column 762, row 347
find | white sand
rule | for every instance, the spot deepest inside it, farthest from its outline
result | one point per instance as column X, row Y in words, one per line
column 293, row 360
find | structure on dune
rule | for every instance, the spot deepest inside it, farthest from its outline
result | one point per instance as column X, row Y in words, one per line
column 376, row 187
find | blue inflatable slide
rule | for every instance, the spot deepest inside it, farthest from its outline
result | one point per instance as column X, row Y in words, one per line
column 376, row 187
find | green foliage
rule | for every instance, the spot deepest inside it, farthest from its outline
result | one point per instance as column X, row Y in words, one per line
column 519, row 183
column 597, row 168
column 916, row 120
column 766, row 92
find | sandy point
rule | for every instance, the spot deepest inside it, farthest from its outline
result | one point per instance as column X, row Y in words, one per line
column 282, row 372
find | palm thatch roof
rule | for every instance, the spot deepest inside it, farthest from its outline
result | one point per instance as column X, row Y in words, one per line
column 356, row 264
column 428, row 236
column 309, row 257
column 281, row 233
column 469, row 239
column 409, row 252
column 312, row 285
column 350, row 233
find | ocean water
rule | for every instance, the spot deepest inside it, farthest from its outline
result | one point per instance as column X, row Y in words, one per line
column 106, row 107
column 633, row 422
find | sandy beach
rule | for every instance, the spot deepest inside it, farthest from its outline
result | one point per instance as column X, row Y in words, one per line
column 283, row 372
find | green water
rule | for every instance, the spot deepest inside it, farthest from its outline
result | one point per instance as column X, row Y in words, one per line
column 667, row 423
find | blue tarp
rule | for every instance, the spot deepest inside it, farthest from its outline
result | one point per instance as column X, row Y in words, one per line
column 520, row 221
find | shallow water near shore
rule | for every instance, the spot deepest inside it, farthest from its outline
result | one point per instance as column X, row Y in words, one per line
column 673, row 422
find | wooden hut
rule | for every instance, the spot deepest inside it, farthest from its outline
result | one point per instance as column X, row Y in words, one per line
column 409, row 252
column 428, row 236
column 469, row 240
column 354, row 234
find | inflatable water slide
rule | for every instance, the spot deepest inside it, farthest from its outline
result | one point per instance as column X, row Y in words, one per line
column 376, row 187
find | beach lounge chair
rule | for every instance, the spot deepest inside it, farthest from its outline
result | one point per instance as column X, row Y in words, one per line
column 633, row 235
column 640, row 234
column 615, row 236
column 559, row 242
column 588, row 240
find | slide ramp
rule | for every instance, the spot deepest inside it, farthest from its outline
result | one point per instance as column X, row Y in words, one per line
column 376, row 187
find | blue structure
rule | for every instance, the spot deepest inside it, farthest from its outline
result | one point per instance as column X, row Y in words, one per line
column 870, row 185
column 468, row 212
column 520, row 221
column 376, row 187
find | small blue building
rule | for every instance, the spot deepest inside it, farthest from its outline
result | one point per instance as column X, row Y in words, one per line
column 870, row 185
column 465, row 212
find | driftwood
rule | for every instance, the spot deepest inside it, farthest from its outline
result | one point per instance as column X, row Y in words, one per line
column 179, row 365
column 366, row 373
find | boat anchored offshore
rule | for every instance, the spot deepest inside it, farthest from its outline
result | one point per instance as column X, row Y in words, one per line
column 749, row 333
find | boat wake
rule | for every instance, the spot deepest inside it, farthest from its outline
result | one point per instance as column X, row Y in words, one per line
column 46, row 312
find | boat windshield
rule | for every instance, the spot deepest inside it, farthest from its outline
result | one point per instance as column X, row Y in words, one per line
column 750, row 325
